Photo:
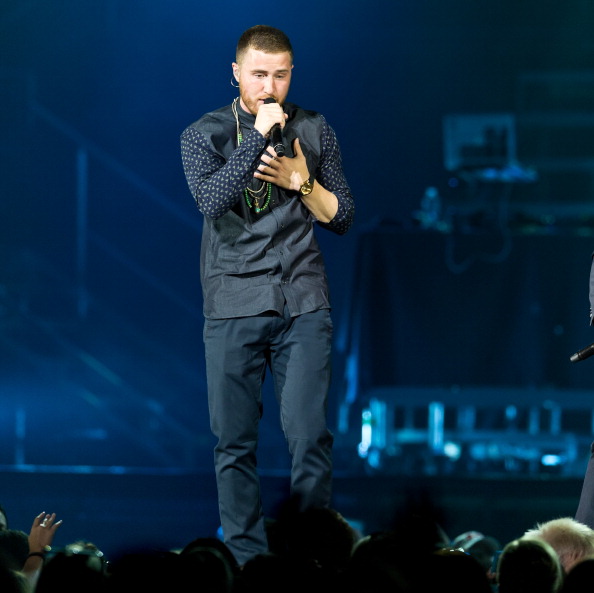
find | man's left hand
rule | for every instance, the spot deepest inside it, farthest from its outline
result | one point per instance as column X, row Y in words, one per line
column 288, row 173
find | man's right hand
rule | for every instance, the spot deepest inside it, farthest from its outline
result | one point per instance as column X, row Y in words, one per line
column 268, row 115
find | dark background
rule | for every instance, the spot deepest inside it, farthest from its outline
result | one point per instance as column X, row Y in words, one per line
column 100, row 305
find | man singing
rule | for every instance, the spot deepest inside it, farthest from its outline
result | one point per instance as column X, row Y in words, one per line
column 266, row 302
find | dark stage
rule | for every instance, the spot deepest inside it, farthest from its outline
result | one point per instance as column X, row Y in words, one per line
column 123, row 512
column 454, row 317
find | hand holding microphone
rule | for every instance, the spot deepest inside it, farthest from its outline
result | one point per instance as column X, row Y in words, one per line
column 276, row 134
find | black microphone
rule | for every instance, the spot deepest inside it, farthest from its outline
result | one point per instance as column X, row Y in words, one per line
column 583, row 353
column 276, row 134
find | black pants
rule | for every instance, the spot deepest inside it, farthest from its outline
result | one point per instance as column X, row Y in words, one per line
column 238, row 351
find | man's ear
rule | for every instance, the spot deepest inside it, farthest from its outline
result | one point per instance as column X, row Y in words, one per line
column 235, row 67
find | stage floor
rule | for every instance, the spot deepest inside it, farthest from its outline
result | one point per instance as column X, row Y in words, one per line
column 124, row 511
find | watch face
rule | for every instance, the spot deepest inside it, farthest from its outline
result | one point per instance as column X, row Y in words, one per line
column 306, row 188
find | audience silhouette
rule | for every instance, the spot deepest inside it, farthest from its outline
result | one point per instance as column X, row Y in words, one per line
column 315, row 551
column 529, row 566
column 572, row 541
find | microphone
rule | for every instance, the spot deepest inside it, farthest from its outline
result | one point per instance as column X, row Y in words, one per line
column 583, row 353
column 276, row 134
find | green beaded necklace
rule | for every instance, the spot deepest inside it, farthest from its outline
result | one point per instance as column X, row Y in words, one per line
column 252, row 196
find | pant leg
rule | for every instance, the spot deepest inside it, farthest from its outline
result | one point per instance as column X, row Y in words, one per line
column 585, row 510
column 301, row 368
column 235, row 367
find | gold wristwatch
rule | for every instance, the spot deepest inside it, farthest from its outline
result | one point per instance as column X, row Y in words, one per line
column 307, row 187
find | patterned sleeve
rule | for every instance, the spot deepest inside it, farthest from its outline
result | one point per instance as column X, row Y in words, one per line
column 331, row 177
column 217, row 184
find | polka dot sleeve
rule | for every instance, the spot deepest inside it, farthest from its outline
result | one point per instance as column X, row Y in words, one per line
column 217, row 184
column 331, row 177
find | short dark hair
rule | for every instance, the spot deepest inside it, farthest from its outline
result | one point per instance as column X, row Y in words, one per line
column 529, row 565
column 14, row 547
column 263, row 38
